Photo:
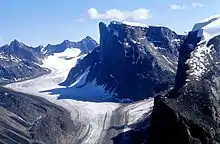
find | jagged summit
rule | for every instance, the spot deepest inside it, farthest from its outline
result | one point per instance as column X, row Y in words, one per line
column 15, row 42
column 86, row 45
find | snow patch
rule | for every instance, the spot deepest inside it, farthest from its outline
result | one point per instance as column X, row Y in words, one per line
column 199, row 61
column 208, row 28
column 134, row 24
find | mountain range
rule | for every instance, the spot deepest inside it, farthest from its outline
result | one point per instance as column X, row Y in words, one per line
column 19, row 61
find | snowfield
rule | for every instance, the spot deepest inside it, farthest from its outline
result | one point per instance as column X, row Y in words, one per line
column 86, row 104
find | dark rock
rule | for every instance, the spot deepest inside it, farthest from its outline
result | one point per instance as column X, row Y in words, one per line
column 190, row 112
column 131, row 62
column 28, row 119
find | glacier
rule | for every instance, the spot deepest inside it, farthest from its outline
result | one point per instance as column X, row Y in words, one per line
column 94, row 118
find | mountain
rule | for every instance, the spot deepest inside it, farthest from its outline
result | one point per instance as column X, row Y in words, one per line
column 132, row 61
column 19, row 61
column 190, row 113
column 86, row 45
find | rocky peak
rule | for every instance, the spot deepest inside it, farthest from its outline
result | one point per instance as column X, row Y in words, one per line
column 19, row 50
column 15, row 44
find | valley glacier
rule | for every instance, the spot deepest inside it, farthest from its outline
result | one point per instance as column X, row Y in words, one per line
column 89, row 106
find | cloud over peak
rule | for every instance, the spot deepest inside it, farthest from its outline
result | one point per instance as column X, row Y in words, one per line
column 115, row 14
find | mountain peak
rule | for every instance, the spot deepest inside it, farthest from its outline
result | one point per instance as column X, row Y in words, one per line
column 16, row 43
column 88, row 37
column 66, row 41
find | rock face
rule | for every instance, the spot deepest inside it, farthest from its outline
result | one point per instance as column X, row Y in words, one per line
column 19, row 61
column 190, row 112
column 132, row 62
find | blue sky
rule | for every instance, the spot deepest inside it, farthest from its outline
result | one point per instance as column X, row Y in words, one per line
column 36, row 22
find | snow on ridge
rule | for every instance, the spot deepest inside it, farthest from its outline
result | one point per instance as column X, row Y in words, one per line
column 208, row 28
column 134, row 24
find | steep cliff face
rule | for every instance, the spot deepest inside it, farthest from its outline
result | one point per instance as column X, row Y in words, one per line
column 133, row 62
column 190, row 112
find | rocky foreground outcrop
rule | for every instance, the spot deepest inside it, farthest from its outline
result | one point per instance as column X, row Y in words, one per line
column 29, row 119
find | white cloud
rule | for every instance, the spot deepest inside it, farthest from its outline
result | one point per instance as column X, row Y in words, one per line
column 177, row 7
column 114, row 14
column 196, row 4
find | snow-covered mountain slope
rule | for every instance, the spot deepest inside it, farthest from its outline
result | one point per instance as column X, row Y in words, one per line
column 132, row 61
column 191, row 111
column 93, row 118
column 19, row 61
